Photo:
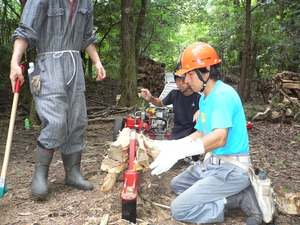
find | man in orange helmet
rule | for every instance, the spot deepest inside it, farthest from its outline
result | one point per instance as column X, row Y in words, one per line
column 206, row 192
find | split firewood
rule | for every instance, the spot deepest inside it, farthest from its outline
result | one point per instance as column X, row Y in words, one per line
column 117, row 158
column 109, row 181
column 112, row 166
column 118, row 149
column 104, row 220
column 142, row 159
column 150, row 146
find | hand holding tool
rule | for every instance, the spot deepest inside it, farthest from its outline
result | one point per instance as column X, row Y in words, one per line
column 3, row 188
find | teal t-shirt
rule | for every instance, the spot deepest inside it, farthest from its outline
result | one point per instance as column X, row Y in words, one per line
column 222, row 108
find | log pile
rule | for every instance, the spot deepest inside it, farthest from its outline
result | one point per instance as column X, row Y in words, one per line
column 116, row 160
column 284, row 103
column 151, row 75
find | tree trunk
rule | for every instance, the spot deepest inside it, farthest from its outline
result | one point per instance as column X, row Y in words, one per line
column 252, row 70
column 241, row 87
column 128, row 64
column 23, row 2
column 139, row 29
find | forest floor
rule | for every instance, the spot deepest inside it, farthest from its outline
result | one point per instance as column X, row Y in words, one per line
column 274, row 148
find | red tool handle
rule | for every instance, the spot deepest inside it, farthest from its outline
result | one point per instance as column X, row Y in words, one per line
column 18, row 84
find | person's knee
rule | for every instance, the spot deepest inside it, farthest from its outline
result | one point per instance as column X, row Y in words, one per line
column 59, row 128
column 53, row 134
column 176, row 211
column 173, row 183
column 179, row 211
column 174, row 186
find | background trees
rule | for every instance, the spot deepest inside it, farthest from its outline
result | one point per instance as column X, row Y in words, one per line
column 159, row 29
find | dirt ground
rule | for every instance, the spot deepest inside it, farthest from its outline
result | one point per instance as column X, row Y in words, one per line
column 274, row 148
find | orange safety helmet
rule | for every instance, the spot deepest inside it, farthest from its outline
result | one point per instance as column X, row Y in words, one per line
column 197, row 55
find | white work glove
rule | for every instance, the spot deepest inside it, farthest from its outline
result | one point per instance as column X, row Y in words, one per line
column 172, row 151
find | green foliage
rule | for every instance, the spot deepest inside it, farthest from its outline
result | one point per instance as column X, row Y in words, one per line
column 275, row 100
column 277, row 37
column 171, row 25
column 107, row 19
column 5, row 52
column 250, row 112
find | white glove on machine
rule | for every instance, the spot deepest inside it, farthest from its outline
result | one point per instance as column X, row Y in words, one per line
column 172, row 151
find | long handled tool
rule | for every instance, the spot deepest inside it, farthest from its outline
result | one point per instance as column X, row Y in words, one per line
column 129, row 192
column 3, row 188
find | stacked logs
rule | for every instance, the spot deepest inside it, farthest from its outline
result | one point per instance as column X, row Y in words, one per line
column 284, row 103
column 286, row 85
column 117, row 158
column 151, row 75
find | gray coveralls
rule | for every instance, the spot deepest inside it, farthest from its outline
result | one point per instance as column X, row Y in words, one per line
column 60, row 103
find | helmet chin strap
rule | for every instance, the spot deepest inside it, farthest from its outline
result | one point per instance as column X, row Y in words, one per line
column 201, row 78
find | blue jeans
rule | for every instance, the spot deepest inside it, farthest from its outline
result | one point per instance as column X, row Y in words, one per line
column 202, row 193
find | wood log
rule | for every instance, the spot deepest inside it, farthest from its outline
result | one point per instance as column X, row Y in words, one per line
column 286, row 94
column 102, row 119
column 109, row 181
column 153, row 75
column 104, row 220
column 142, row 159
column 266, row 115
column 152, row 150
column 291, row 85
column 112, row 166
column 118, row 153
column 288, row 203
column 119, row 149
column 117, row 157
column 141, row 76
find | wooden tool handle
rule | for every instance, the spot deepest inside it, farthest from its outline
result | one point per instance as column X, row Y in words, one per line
column 11, row 127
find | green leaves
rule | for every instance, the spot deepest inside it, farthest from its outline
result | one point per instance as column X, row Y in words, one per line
column 171, row 25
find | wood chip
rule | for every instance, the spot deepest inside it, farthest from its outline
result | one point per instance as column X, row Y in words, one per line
column 104, row 220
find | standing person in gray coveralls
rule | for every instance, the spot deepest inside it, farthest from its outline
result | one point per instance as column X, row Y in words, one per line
column 60, row 29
